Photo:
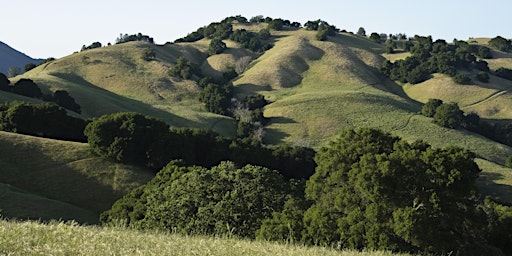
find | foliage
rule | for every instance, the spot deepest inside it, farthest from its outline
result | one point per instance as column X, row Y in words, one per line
column 484, row 52
column 371, row 190
column 135, row 37
column 375, row 37
column 27, row 87
column 499, row 224
column 43, row 120
column 462, row 79
column 130, row 138
column 195, row 200
column 501, row 44
column 250, row 40
column 448, row 115
column 276, row 24
column 429, row 109
column 148, row 54
column 216, row 46
column 504, row 73
column 92, row 46
column 29, row 66
column 183, row 69
column 361, row 32
column 217, row 98
column 433, row 57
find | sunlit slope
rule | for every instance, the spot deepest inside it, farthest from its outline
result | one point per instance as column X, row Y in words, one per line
column 62, row 171
column 118, row 79
column 317, row 88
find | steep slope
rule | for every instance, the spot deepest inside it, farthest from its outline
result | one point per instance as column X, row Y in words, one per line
column 10, row 57
column 317, row 88
column 117, row 79
column 54, row 175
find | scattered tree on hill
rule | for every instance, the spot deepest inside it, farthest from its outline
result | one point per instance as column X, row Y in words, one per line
column 148, row 54
column 92, row 46
column 375, row 37
column 429, row 109
column 217, row 98
column 182, row 69
column 43, row 120
column 501, row 44
column 448, row 115
column 27, row 87
column 484, row 52
column 130, row 138
column 361, row 32
column 462, row 79
column 29, row 66
column 216, row 46
column 276, row 24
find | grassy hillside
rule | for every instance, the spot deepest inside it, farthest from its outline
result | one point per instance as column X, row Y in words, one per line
column 59, row 179
column 117, row 79
column 30, row 238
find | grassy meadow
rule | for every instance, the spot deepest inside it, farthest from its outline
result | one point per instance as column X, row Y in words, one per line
column 58, row 238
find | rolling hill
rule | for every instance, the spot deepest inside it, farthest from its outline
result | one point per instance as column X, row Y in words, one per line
column 10, row 57
column 315, row 89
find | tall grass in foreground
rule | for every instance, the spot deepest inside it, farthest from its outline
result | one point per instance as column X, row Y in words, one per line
column 32, row 238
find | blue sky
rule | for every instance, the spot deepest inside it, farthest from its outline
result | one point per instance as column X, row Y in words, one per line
column 56, row 28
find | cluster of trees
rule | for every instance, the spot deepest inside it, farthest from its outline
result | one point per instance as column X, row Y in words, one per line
column 136, row 139
column 183, row 69
column 92, row 46
column 252, row 41
column 436, row 57
column 124, row 38
column 450, row 116
column 43, row 120
column 370, row 190
column 29, row 88
column 501, row 44
column 323, row 28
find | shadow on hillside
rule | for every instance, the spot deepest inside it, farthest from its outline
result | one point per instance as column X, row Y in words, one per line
column 112, row 103
column 275, row 136
column 250, row 88
column 488, row 187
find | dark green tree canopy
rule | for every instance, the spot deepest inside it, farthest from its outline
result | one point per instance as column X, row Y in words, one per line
column 429, row 109
column 448, row 115
column 195, row 200
column 129, row 138
column 27, row 87
column 372, row 190
column 216, row 46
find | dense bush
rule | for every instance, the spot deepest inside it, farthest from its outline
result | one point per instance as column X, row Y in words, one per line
column 504, row 73
column 135, row 37
column 63, row 99
column 216, row 46
column 195, row 200
column 130, row 138
column 448, row 115
column 217, row 98
column 483, row 77
column 462, row 79
column 429, row 109
column 183, row 69
column 501, row 44
column 44, row 120
column 27, row 87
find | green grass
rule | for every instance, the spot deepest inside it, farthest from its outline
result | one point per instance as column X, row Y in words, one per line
column 31, row 238
column 65, row 172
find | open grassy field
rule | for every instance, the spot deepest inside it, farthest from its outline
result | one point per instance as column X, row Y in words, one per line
column 60, row 179
column 31, row 238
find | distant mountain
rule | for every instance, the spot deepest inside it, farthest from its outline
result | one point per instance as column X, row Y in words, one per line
column 10, row 57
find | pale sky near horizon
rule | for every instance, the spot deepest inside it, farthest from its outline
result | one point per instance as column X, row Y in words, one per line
column 56, row 28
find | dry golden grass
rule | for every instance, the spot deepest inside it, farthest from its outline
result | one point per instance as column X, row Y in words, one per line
column 31, row 238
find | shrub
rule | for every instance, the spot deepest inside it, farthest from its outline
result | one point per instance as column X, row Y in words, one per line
column 482, row 77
